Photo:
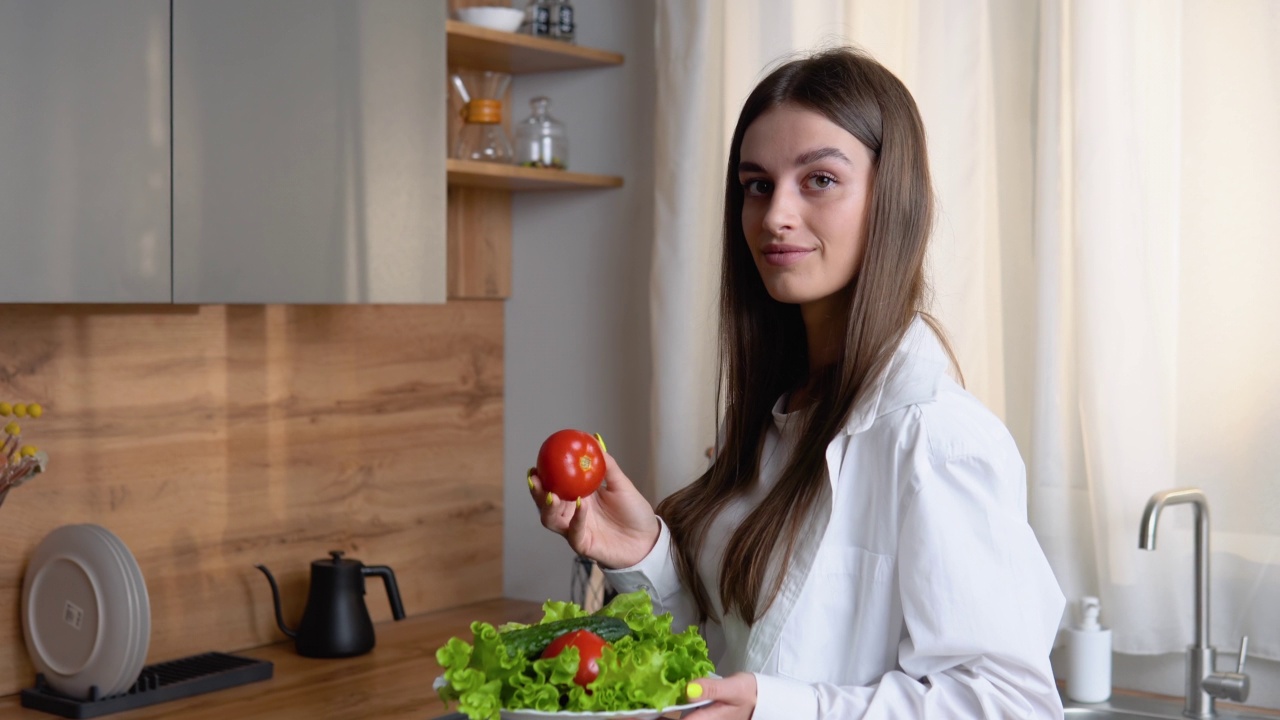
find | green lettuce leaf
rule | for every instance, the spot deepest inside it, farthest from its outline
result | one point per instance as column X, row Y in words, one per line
column 636, row 609
column 553, row 610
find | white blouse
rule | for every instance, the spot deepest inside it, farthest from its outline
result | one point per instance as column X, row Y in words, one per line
column 917, row 589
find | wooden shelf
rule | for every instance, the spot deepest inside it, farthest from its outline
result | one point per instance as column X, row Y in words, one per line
column 468, row 173
column 472, row 46
column 479, row 217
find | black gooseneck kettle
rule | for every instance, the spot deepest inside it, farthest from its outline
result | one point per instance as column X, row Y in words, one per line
column 336, row 622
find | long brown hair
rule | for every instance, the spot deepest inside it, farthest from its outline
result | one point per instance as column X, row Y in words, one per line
column 763, row 351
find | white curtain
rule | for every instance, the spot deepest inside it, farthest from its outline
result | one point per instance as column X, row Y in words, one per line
column 1106, row 259
column 1157, row 361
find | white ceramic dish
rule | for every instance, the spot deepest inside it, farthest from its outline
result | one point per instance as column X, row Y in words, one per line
column 131, row 637
column 637, row 714
column 615, row 715
column 505, row 19
column 140, row 601
column 80, row 616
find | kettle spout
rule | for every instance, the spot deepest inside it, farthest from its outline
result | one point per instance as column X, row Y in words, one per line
column 275, row 596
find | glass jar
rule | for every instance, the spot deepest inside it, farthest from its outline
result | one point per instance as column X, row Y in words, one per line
column 541, row 140
column 482, row 136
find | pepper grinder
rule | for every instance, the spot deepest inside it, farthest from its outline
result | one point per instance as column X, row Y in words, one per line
column 563, row 27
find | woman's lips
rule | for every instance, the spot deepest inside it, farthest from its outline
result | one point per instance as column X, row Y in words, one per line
column 782, row 255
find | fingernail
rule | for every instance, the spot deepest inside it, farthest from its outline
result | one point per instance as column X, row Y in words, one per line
column 550, row 498
column 579, row 502
column 601, row 441
column 693, row 690
column 530, row 483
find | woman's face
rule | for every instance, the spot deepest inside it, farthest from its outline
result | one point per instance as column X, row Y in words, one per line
column 806, row 186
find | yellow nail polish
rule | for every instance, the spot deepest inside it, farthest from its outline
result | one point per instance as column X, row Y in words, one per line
column 579, row 502
column 693, row 690
column 601, row 441
column 550, row 498
column 530, row 483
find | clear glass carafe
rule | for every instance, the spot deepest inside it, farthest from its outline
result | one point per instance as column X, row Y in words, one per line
column 482, row 136
column 541, row 140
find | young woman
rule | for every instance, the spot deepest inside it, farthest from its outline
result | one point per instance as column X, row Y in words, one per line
column 859, row 546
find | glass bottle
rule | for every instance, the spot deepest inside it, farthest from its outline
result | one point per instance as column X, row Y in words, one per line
column 541, row 141
column 562, row 23
column 482, row 136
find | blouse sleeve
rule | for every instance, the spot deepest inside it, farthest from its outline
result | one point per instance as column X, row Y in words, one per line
column 656, row 574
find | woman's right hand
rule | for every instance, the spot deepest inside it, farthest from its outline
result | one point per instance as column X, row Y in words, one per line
column 615, row 525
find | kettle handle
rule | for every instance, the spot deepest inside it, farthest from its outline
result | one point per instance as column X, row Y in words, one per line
column 393, row 590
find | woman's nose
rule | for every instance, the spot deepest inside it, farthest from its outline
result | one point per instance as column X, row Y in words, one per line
column 780, row 218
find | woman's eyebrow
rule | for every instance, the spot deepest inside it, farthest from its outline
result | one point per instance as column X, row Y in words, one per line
column 805, row 158
column 822, row 153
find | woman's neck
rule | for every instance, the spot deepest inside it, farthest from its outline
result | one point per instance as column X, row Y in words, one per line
column 824, row 325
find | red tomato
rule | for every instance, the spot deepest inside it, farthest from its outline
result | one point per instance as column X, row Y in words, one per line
column 570, row 464
column 590, row 646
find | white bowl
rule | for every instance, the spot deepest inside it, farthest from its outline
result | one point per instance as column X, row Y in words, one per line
column 506, row 19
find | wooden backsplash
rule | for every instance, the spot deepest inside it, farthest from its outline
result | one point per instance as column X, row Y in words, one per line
column 212, row 438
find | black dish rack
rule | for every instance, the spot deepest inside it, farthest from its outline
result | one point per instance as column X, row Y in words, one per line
column 157, row 683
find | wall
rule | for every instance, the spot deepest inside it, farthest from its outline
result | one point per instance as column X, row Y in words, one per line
column 577, row 322
column 212, row 438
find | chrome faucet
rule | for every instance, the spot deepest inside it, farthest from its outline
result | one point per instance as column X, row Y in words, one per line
column 1204, row 683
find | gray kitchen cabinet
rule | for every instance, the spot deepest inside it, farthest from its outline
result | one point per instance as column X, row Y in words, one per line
column 84, row 151
column 309, row 151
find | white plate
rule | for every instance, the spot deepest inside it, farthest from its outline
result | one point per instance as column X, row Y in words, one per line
column 79, row 623
column 140, row 638
column 142, row 614
column 637, row 714
column 642, row 714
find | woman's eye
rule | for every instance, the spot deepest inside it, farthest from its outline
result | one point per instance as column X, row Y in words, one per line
column 757, row 187
column 822, row 182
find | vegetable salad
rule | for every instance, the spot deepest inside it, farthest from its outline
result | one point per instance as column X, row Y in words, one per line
column 647, row 669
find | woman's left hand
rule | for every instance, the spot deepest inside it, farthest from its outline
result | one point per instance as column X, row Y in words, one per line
column 734, row 698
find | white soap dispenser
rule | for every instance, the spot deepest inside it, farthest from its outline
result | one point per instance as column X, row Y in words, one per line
column 1089, row 656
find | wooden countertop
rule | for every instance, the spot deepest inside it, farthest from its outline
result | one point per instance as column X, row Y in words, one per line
column 392, row 682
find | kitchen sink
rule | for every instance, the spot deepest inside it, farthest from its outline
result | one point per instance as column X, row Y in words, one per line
column 1118, row 708
column 1139, row 708
column 1106, row 713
